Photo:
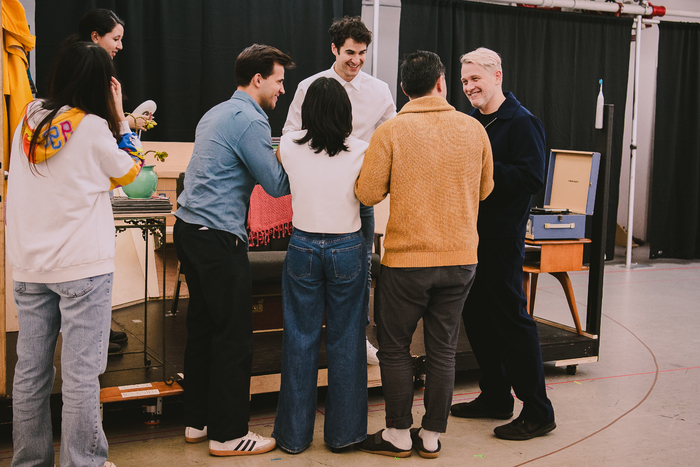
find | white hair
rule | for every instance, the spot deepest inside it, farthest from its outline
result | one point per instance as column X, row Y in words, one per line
column 485, row 58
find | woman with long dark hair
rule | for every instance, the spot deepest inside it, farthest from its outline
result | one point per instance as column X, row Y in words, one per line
column 68, row 152
column 325, row 270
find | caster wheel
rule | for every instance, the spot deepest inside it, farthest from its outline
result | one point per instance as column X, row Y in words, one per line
column 419, row 382
column 571, row 369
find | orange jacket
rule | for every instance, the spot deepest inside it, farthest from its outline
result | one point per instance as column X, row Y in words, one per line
column 17, row 42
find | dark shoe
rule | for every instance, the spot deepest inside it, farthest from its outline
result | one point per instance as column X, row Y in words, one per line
column 521, row 429
column 375, row 444
column 118, row 337
column 340, row 450
column 479, row 409
column 418, row 444
column 114, row 349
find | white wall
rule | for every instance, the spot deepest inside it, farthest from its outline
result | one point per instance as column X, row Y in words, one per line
column 29, row 6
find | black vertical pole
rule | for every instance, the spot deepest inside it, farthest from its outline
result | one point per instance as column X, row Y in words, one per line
column 603, row 145
column 146, row 360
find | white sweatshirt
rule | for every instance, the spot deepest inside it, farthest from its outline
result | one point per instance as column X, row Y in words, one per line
column 60, row 225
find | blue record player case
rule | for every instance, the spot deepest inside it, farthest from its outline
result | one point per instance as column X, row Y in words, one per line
column 569, row 197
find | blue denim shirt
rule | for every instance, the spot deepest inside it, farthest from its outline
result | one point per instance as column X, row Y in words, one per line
column 232, row 152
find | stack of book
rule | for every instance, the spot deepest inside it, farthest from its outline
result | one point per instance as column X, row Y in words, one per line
column 156, row 204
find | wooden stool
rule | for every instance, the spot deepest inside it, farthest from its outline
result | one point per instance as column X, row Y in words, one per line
column 557, row 257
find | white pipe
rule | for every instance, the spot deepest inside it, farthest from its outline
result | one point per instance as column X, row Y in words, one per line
column 687, row 13
column 622, row 8
column 633, row 143
column 375, row 38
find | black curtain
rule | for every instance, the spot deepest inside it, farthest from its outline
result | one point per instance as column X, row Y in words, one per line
column 552, row 62
column 181, row 53
column 674, row 221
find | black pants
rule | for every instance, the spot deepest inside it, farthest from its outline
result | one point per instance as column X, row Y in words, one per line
column 502, row 334
column 219, row 351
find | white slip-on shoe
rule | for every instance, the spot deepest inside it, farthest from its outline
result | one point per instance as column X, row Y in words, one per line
column 371, row 354
column 193, row 435
column 249, row 444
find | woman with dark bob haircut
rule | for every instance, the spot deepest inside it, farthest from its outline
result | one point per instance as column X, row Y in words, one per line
column 104, row 28
column 325, row 269
column 68, row 152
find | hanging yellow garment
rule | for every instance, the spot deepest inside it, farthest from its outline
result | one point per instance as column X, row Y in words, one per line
column 17, row 41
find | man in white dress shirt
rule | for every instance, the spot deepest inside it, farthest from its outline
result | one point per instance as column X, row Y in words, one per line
column 371, row 101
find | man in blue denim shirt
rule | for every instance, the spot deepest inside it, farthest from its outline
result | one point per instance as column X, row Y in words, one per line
column 232, row 152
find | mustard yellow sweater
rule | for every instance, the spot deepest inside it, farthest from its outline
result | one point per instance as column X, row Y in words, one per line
column 437, row 165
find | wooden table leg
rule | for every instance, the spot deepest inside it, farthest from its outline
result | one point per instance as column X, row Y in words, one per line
column 533, row 293
column 563, row 278
column 526, row 289
column 530, row 289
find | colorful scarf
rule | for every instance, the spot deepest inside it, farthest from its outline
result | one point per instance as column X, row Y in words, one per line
column 54, row 138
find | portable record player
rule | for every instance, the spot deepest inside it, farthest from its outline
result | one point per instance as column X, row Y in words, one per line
column 572, row 178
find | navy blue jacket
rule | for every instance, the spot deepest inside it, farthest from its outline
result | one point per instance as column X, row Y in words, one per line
column 518, row 145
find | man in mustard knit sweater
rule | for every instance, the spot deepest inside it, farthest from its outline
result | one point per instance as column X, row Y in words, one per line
column 437, row 165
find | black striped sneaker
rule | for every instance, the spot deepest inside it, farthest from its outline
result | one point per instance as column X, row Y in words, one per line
column 249, row 444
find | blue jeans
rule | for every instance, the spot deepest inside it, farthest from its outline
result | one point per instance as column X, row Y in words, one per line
column 81, row 310
column 323, row 272
column 367, row 229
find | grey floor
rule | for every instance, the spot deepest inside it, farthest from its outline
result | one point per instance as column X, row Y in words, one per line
column 634, row 407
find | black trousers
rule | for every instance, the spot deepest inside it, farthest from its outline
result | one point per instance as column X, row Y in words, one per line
column 219, row 350
column 502, row 334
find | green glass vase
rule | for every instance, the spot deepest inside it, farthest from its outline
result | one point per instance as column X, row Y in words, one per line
column 145, row 184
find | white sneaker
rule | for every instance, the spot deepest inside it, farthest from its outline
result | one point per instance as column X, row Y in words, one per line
column 371, row 354
column 249, row 444
column 193, row 435
column 107, row 464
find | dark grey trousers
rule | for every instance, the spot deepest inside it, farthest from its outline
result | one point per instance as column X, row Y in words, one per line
column 404, row 296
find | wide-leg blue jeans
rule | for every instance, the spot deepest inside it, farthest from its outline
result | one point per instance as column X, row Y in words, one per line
column 81, row 310
column 323, row 272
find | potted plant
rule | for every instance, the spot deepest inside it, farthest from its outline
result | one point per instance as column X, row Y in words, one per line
column 147, row 182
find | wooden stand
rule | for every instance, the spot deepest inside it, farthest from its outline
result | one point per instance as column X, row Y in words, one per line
column 153, row 223
column 557, row 257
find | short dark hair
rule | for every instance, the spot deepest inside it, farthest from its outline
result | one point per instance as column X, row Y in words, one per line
column 261, row 59
column 326, row 115
column 101, row 20
column 420, row 71
column 349, row 27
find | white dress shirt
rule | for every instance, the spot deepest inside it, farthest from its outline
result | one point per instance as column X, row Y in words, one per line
column 371, row 101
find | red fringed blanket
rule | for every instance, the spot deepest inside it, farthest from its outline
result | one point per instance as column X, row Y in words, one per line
column 268, row 217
